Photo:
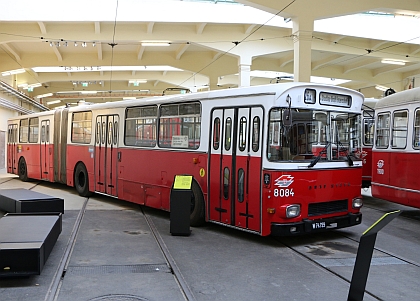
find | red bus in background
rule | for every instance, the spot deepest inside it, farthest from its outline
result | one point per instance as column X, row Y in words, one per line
column 396, row 152
column 249, row 150
column 368, row 130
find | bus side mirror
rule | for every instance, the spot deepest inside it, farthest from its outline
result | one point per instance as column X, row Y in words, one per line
column 287, row 117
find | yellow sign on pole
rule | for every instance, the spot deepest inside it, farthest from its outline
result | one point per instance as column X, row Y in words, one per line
column 182, row 182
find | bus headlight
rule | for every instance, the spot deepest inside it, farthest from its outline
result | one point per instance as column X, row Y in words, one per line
column 292, row 211
column 357, row 203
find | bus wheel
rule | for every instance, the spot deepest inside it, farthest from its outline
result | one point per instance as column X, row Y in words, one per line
column 81, row 180
column 197, row 206
column 22, row 170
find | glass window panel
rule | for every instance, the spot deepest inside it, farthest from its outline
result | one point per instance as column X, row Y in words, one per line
column 416, row 134
column 382, row 130
column 216, row 133
column 241, row 181
column 256, row 134
column 226, row 180
column 242, row 134
column 228, row 133
column 399, row 129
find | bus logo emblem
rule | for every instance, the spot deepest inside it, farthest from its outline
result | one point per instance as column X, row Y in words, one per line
column 284, row 181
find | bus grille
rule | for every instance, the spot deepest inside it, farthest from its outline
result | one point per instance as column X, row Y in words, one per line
column 327, row 207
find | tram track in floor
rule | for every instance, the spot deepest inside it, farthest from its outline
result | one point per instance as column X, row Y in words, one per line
column 330, row 271
column 55, row 285
column 176, row 272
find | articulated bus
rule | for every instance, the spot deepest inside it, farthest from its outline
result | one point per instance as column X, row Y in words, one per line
column 396, row 152
column 368, row 131
column 249, row 151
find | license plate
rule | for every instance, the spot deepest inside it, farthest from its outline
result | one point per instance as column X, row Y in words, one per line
column 319, row 225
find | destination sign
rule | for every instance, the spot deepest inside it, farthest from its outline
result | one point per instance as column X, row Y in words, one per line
column 337, row 100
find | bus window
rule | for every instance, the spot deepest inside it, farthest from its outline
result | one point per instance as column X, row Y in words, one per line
column 368, row 131
column 24, row 130
column 115, row 132
column 98, row 132
column 242, row 134
column 256, row 134
column 81, row 127
column 382, row 130
column 47, row 133
column 228, row 133
column 226, row 179
column 103, row 132
column 110, row 133
column 33, row 129
column 180, row 125
column 216, row 133
column 241, row 174
column 416, row 135
column 140, row 126
column 399, row 129
column 43, row 138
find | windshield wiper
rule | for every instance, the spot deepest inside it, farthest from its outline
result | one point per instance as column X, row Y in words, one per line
column 349, row 160
column 323, row 151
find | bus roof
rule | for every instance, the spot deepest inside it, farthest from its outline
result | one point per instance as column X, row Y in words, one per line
column 275, row 89
column 399, row 98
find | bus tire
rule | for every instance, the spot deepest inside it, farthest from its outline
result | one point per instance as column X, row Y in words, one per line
column 81, row 180
column 22, row 170
column 197, row 216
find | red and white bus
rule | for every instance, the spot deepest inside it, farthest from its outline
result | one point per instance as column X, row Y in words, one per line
column 249, row 151
column 396, row 153
column 368, row 131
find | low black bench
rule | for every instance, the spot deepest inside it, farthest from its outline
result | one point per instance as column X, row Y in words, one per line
column 26, row 241
column 26, row 201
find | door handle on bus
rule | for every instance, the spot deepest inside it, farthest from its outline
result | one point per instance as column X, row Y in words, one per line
column 119, row 156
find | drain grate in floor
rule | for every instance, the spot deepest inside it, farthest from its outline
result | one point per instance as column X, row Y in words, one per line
column 118, row 269
column 347, row 262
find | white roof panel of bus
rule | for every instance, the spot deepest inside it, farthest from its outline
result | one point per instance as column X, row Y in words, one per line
column 399, row 98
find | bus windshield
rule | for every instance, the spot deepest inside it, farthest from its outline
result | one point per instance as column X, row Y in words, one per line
column 300, row 134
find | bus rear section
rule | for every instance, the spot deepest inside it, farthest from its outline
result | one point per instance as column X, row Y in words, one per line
column 395, row 153
column 30, row 148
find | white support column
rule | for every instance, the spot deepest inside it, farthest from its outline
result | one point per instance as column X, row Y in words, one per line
column 302, row 39
column 244, row 71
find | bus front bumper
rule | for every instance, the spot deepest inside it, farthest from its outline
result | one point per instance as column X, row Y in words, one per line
column 318, row 225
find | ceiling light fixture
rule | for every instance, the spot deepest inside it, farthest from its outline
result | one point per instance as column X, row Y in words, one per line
column 10, row 72
column 44, row 95
column 53, row 102
column 155, row 43
column 84, row 44
column 381, row 88
column 393, row 62
column 75, row 44
column 88, row 92
column 140, row 81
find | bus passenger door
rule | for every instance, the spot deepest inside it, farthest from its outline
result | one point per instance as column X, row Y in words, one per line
column 220, row 169
column 45, row 150
column 12, row 148
column 247, row 168
column 235, row 167
column 106, row 154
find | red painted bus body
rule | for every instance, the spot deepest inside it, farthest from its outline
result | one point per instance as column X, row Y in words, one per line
column 252, row 170
column 396, row 153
